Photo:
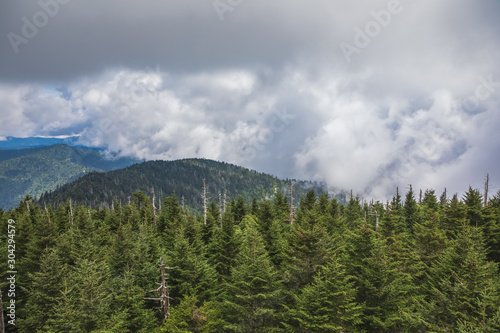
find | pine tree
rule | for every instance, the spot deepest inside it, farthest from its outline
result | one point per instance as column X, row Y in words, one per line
column 223, row 249
column 465, row 286
column 411, row 211
column 474, row 203
column 253, row 294
column 491, row 228
column 44, row 293
column 327, row 304
column 382, row 287
column 454, row 217
column 191, row 274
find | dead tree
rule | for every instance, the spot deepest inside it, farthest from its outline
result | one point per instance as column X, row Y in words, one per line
column 163, row 294
column 48, row 217
column 373, row 211
column 154, row 206
column 486, row 188
column 70, row 213
column 224, row 203
column 220, row 208
column 204, row 202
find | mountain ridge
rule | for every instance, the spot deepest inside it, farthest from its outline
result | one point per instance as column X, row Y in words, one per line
column 183, row 177
column 34, row 171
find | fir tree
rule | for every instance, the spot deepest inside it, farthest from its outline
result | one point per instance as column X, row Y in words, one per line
column 253, row 294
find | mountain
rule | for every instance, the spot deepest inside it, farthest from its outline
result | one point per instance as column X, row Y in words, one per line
column 182, row 177
column 33, row 142
column 35, row 171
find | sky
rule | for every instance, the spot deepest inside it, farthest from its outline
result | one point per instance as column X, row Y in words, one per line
column 365, row 95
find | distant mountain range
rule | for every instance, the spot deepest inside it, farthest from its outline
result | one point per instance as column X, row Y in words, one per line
column 53, row 170
column 11, row 143
column 182, row 177
column 35, row 171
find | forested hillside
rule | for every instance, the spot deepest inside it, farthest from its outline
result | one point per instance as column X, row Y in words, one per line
column 182, row 177
column 34, row 171
column 403, row 266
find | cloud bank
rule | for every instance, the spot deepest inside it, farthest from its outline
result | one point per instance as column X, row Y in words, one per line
column 414, row 100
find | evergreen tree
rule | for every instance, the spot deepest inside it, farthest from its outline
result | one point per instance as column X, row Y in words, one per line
column 465, row 286
column 382, row 287
column 411, row 210
column 474, row 203
column 253, row 294
column 327, row 304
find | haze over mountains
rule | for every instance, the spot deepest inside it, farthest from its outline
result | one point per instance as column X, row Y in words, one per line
column 59, row 172
column 184, row 178
column 33, row 171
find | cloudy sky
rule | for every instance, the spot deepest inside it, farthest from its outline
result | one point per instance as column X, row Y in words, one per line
column 364, row 95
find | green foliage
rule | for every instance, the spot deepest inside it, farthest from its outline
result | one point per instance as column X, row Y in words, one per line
column 254, row 290
column 35, row 171
column 182, row 177
column 422, row 268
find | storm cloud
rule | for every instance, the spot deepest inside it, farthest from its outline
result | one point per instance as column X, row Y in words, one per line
column 365, row 96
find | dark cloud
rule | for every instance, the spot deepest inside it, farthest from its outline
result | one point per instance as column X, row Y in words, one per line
column 270, row 86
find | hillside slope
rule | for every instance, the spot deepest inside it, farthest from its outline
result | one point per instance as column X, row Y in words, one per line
column 34, row 171
column 182, row 177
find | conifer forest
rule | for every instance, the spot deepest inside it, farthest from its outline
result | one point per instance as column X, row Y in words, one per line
column 421, row 262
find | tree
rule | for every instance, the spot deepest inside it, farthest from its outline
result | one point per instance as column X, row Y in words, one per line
column 465, row 286
column 382, row 287
column 327, row 304
column 253, row 294
column 474, row 204
column 44, row 293
column 411, row 210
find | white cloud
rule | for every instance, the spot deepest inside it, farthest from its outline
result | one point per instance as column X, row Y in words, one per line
column 404, row 110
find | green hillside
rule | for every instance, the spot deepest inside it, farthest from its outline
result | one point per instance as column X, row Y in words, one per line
column 182, row 177
column 37, row 170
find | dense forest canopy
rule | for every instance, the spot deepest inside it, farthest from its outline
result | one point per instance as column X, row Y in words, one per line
column 413, row 264
column 184, row 178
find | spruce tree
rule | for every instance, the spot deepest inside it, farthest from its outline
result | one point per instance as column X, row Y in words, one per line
column 465, row 286
column 254, row 291
column 327, row 304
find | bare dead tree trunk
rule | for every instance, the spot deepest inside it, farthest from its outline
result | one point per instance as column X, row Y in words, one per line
column 204, row 202
column 154, row 206
column 48, row 216
column 486, row 188
column 420, row 198
column 224, row 205
column 163, row 293
column 70, row 213
column 373, row 211
column 220, row 208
